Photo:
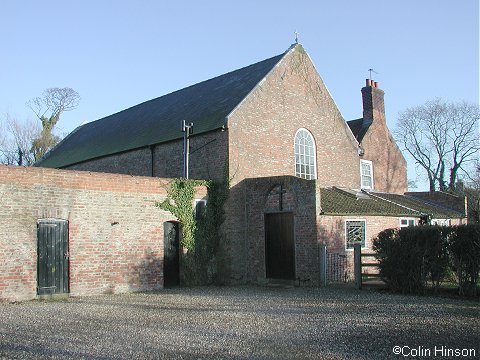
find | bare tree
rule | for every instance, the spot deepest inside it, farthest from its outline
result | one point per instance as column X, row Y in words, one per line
column 22, row 134
column 54, row 102
column 16, row 141
column 4, row 145
column 442, row 137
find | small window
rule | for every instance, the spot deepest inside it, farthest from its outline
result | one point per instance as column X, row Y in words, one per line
column 366, row 173
column 441, row 222
column 355, row 232
column 305, row 155
column 406, row 222
column 200, row 206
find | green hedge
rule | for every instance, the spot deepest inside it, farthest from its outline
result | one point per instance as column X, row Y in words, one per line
column 414, row 259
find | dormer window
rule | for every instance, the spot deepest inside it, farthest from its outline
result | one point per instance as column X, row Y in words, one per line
column 366, row 174
column 305, row 155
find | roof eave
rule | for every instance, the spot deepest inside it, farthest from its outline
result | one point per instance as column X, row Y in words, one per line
column 290, row 49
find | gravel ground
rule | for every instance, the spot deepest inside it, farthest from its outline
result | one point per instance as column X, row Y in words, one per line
column 241, row 323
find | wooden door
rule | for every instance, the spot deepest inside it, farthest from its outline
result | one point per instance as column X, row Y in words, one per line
column 279, row 246
column 171, row 251
column 52, row 257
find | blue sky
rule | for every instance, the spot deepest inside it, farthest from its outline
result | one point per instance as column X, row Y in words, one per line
column 117, row 54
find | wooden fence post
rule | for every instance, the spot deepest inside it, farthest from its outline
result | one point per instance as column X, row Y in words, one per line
column 357, row 263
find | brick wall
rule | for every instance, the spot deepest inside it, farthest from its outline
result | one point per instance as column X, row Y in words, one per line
column 208, row 156
column 389, row 165
column 299, row 197
column 331, row 229
column 331, row 232
column 263, row 128
column 115, row 231
column 261, row 143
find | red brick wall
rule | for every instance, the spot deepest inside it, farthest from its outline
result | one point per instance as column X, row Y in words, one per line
column 208, row 156
column 261, row 143
column 331, row 231
column 135, row 162
column 300, row 199
column 389, row 165
column 115, row 230
column 263, row 128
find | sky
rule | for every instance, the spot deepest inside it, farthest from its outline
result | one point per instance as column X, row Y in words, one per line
column 117, row 54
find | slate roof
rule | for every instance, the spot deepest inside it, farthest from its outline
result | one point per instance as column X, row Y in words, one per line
column 359, row 127
column 206, row 104
column 339, row 201
column 437, row 210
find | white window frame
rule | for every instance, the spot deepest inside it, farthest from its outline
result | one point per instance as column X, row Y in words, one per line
column 364, row 246
column 408, row 219
column 314, row 155
column 441, row 222
column 370, row 164
column 197, row 201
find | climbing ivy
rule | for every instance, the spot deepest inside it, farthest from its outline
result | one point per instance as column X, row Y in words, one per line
column 180, row 203
column 199, row 236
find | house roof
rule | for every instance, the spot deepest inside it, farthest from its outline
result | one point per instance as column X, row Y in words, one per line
column 425, row 206
column 339, row 201
column 206, row 104
column 359, row 127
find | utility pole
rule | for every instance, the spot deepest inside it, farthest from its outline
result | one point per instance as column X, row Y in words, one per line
column 187, row 130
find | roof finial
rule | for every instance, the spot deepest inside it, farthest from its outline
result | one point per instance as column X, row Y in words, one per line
column 296, row 37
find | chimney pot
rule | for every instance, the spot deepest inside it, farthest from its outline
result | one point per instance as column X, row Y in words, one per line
column 376, row 84
column 368, row 82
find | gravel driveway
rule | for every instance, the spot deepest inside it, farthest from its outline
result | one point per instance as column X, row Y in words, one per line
column 240, row 323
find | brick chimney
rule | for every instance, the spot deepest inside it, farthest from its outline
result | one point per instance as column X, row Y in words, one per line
column 373, row 105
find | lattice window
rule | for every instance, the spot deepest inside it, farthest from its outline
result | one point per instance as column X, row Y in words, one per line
column 366, row 172
column 305, row 155
column 355, row 232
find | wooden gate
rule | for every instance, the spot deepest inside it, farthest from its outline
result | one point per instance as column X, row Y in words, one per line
column 171, row 251
column 279, row 246
column 52, row 257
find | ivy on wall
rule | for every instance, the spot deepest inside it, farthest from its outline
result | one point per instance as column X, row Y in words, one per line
column 180, row 204
column 200, row 236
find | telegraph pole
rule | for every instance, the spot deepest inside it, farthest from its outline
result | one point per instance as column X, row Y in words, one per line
column 187, row 130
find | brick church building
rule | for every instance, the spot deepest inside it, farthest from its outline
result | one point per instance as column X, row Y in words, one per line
column 300, row 175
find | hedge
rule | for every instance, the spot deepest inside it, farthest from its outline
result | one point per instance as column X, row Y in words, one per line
column 414, row 259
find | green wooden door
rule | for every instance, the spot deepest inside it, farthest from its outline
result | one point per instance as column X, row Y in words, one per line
column 53, row 257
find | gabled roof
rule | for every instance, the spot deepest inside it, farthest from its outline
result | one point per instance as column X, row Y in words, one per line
column 359, row 127
column 206, row 104
column 339, row 201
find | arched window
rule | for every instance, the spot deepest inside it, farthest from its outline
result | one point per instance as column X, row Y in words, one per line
column 305, row 155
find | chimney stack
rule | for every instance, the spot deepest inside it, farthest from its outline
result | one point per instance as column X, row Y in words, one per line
column 373, row 101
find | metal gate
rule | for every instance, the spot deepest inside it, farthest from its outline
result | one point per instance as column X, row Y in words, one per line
column 52, row 257
column 279, row 246
column 171, row 251
column 336, row 267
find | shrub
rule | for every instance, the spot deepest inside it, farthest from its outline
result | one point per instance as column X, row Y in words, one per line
column 465, row 253
column 410, row 257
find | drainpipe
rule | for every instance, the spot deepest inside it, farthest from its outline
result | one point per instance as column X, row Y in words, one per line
column 152, row 158
column 187, row 130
